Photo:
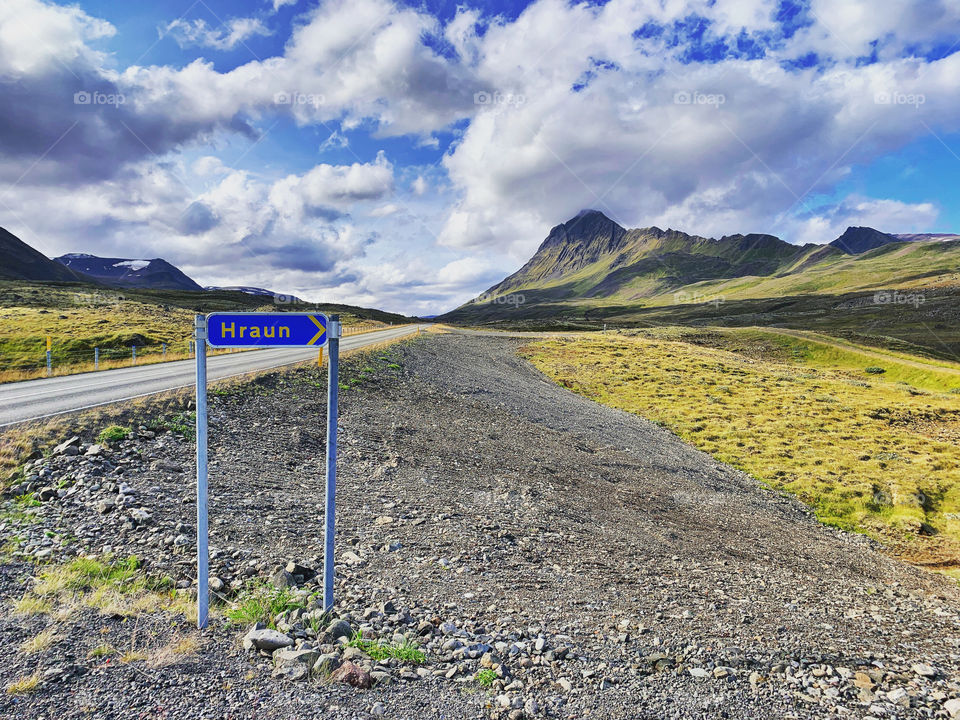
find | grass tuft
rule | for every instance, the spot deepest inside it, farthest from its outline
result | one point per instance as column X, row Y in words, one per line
column 114, row 433
column 262, row 602
column 405, row 651
column 24, row 685
column 43, row 640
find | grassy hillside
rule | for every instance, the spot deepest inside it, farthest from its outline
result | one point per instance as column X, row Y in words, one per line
column 867, row 451
column 81, row 317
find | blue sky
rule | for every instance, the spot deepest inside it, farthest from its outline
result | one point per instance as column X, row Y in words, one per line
column 409, row 155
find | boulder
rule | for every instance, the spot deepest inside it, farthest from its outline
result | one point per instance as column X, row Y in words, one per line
column 266, row 640
column 353, row 675
column 68, row 447
column 339, row 629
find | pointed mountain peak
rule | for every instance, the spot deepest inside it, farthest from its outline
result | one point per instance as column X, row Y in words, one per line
column 857, row 239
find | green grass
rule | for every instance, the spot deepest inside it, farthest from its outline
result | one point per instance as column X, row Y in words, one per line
column 405, row 651
column 183, row 423
column 875, row 456
column 113, row 433
column 19, row 510
column 820, row 351
column 114, row 587
column 262, row 602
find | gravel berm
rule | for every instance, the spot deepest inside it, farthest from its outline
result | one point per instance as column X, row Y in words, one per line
column 589, row 561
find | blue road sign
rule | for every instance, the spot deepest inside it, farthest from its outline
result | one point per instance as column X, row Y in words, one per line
column 285, row 329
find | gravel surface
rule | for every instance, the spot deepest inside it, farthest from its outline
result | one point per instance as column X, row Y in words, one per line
column 594, row 564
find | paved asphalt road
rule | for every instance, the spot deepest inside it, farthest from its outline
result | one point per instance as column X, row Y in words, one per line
column 35, row 399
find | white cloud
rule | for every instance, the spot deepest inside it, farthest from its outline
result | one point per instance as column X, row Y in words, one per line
column 223, row 37
column 712, row 148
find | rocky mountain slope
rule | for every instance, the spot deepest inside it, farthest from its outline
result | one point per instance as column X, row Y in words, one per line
column 857, row 240
column 19, row 261
column 155, row 274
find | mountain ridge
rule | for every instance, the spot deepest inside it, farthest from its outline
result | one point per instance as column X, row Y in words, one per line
column 153, row 273
column 592, row 259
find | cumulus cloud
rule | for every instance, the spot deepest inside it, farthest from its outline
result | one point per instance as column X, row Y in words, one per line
column 226, row 36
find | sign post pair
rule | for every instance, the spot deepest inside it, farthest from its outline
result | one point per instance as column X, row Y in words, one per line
column 265, row 330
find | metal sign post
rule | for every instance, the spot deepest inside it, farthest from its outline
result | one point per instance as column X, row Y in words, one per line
column 203, row 558
column 329, row 515
column 238, row 330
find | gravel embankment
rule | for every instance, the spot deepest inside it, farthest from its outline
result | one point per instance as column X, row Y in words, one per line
column 593, row 562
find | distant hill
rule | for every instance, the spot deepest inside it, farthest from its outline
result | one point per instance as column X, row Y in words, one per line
column 923, row 237
column 19, row 261
column 590, row 265
column 155, row 274
column 857, row 240
column 259, row 292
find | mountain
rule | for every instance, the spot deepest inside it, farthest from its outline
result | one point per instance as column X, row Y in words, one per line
column 155, row 274
column 19, row 261
column 857, row 240
column 592, row 256
column 260, row 292
column 590, row 267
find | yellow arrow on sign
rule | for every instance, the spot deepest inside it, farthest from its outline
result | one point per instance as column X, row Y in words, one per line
column 319, row 334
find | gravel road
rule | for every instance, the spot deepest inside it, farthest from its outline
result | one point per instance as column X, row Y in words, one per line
column 603, row 567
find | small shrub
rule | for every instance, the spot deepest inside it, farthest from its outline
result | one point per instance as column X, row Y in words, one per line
column 114, row 433
column 874, row 370
column 485, row 678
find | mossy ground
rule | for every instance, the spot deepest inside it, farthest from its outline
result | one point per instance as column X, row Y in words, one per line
column 867, row 453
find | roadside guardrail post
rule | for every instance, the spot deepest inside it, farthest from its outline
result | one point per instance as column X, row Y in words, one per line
column 96, row 358
column 134, row 348
column 164, row 351
column 203, row 560
column 49, row 357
